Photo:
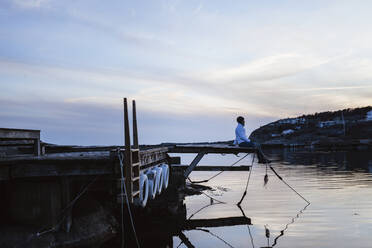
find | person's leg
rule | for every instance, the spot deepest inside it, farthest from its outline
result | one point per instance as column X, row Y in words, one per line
column 246, row 144
column 260, row 155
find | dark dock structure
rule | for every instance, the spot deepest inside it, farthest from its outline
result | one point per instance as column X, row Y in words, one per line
column 48, row 189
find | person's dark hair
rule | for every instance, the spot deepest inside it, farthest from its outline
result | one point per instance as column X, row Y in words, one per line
column 240, row 119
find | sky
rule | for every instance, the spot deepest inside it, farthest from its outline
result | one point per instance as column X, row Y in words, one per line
column 192, row 66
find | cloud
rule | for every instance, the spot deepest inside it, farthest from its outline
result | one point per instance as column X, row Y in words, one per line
column 122, row 32
column 82, row 123
column 266, row 68
column 31, row 3
column 198, row 8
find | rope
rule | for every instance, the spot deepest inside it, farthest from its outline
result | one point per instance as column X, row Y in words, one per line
column 126, row 196
column 63, row 213
column 219, row 173
column 288, row 185
column 287, row 225
column 249, row 229
column 122, row 203
column 212, row 198
column 214, row 235
column 249, row 177
column 266, row 178
column 206, row 206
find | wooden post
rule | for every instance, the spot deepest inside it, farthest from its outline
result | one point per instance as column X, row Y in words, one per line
column 66, row 198
column 193, row 164
column 136, row 165
column 127, row 154
column 135, row 132
column 37, row 148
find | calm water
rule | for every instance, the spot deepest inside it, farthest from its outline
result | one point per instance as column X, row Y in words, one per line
column 338, row 185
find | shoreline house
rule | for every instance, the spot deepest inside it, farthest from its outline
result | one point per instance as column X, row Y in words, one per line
column 330, row 123
column 369, row 116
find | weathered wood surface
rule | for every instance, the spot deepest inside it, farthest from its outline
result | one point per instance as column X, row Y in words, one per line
column 47, row 170
column 22, row 134
column 146, row 156
column 10, row 133
column 222, row 149
column 214, row 167
column 193, row 164
column 70, row 164
column 229, row 221
column 4, row 173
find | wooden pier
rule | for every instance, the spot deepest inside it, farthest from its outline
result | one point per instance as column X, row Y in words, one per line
column 38, row 186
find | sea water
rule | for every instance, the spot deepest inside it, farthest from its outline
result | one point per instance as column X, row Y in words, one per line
column 338, row 186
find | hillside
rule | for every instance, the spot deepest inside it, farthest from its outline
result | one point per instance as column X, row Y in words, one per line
column 343, row 127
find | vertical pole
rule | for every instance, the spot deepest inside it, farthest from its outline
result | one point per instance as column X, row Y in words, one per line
column 127, row 154
column 135, row 132
column 37, row 148
column 66, row 198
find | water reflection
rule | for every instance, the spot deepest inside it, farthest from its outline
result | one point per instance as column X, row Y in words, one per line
column 338, row 185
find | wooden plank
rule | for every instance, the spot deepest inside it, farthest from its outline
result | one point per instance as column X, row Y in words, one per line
column 218, row 222
column 10, row 133
column 63, row 164
column 222, row 149
column 193, row 164
column 127, row 154
column 185, row 240
column 175, row 160
column 67, row 169
column 135, row 132
column 4, row 173
column 153, row 155
column 37, row 147
column 214, row 167
column 65, row 201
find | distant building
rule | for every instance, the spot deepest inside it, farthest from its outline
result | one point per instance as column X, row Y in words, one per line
column 288, row 131
column 369, row 116
column 322, row 124
column 292, row 121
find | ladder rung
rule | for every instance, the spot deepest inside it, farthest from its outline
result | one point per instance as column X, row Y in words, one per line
column 135, row 179
column 135, row 164
column 134, row 150
column 135, row 193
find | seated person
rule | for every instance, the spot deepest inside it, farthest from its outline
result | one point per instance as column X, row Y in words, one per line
column 242, row 141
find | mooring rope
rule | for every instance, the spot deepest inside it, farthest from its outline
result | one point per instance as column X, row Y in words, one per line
column 127, row 200
column 206, row 206
column 212, row 198
column 287, row 225
column 63, row 215
column 122, row 202
column 219, row 173
column 214, row 235
column 249, row 177
column 249, row 229
column 288, row 185
column 281, row 179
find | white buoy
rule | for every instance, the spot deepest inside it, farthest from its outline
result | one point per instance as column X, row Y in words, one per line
column 165, row 170
column 151, row 175
column 144, row 191
column 159, row 179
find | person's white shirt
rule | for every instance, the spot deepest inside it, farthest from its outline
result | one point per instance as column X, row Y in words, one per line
column 240, row 135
